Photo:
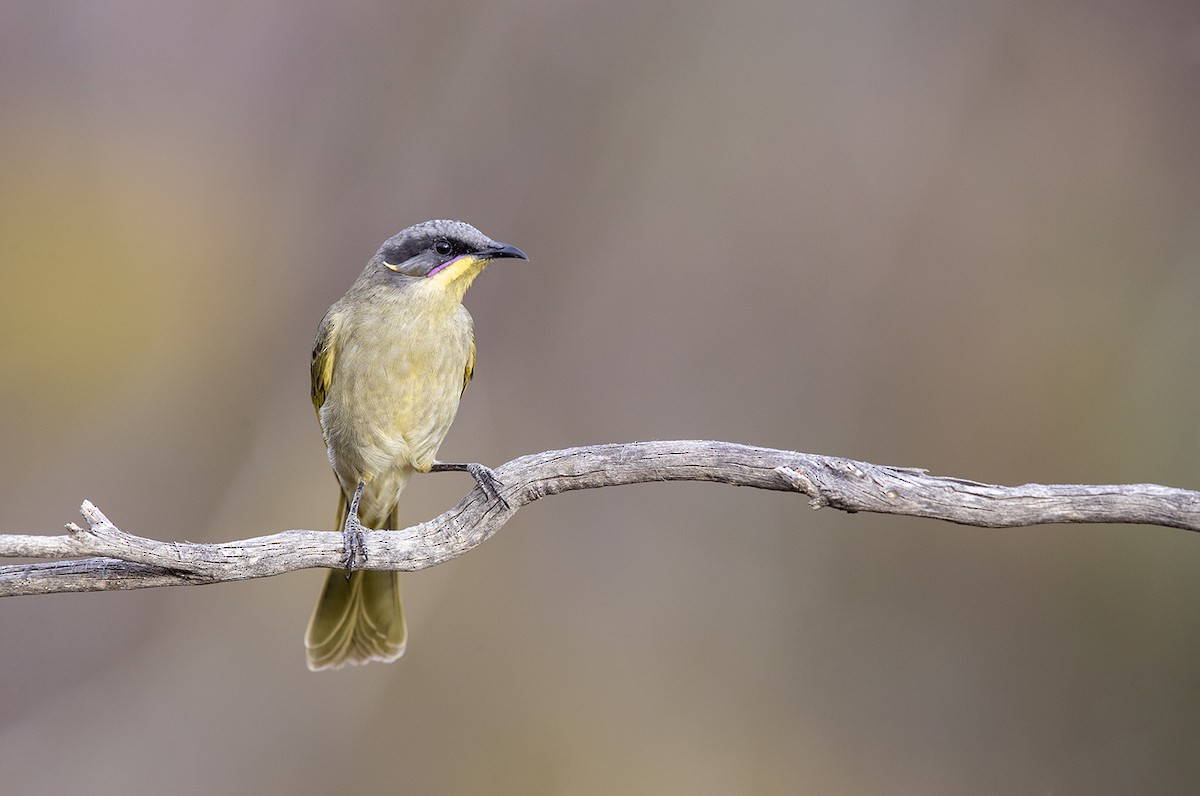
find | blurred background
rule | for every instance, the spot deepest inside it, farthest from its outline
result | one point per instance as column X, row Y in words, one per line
column 964, row 237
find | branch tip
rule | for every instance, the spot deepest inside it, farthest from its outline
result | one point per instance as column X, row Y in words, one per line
column 94, row 515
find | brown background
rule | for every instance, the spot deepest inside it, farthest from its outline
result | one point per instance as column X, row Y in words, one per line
column 957, row 236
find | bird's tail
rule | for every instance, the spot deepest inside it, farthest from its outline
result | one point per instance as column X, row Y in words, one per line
column 359, row 618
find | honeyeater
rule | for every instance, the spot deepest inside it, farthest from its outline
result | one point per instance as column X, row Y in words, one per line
column 391, row 359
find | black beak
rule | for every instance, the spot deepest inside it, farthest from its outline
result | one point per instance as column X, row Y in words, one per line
column 503, row 250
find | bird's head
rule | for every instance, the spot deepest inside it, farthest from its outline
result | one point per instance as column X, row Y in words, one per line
column 446, row 254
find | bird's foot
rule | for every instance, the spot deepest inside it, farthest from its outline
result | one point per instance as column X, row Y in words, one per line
column 488, row 482
column 484, row 477
column 352, row 535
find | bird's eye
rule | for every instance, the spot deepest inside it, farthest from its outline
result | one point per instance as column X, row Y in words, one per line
column 442, row 247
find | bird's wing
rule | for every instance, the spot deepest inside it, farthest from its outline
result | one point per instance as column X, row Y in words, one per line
column 323, row 354
column 470, row 365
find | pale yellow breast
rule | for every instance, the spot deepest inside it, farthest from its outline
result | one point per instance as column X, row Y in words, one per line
column 394, row 391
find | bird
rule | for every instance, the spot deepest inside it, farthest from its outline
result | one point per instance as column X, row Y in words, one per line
column 391, row 360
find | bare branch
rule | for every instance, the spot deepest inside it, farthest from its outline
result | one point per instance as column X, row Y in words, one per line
column 122, row 561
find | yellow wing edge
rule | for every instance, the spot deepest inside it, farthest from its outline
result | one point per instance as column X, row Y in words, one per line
column 323, row 355
column 470, row 371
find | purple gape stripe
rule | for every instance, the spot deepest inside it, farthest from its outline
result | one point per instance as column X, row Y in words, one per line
column 443, row 265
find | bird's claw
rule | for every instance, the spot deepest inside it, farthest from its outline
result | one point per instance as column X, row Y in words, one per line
column 488, row 482
column 353, row 540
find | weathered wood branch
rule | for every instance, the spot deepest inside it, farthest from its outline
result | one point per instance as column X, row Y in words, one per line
column 117, row 560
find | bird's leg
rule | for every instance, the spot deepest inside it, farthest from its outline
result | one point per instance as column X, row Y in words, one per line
column 483, row 476
column 352, row 534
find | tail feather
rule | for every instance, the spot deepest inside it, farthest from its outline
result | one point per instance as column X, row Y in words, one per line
column 357, row 619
